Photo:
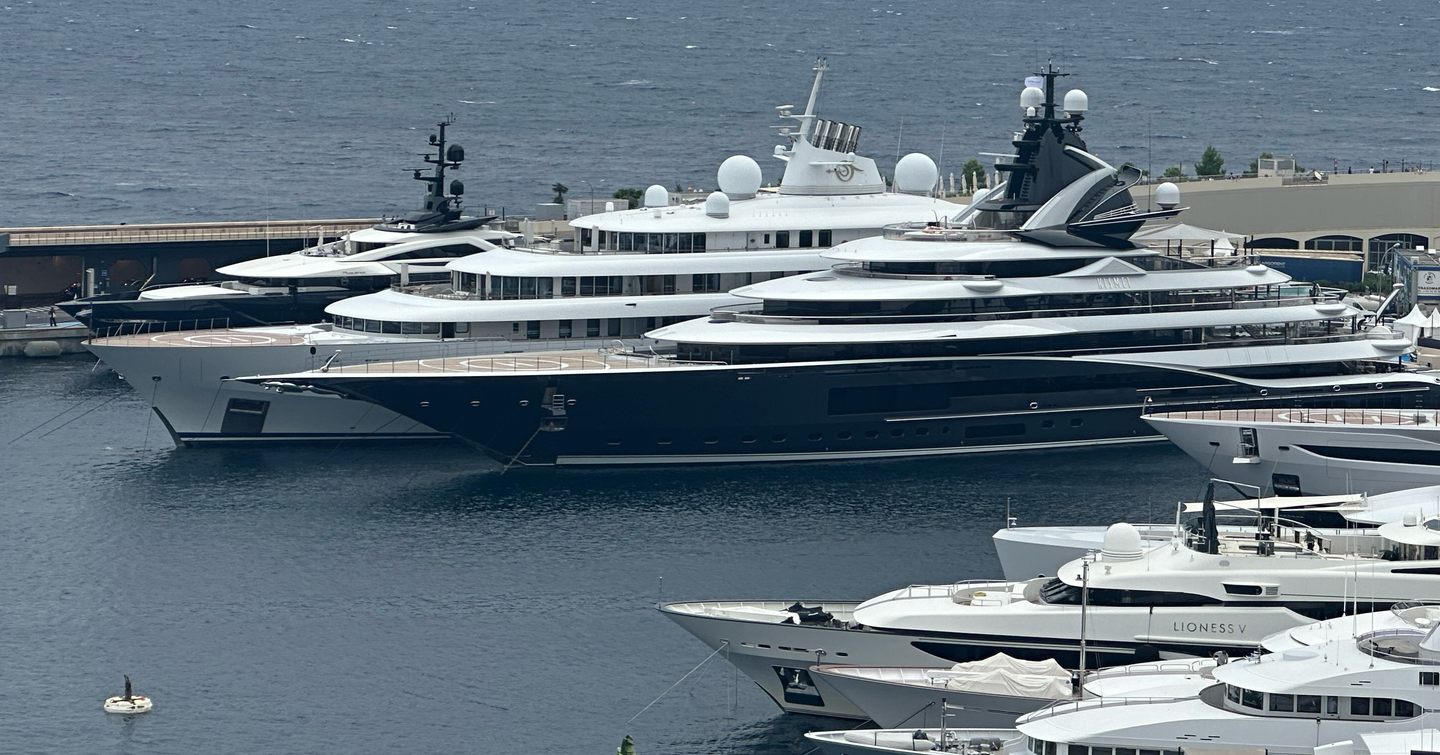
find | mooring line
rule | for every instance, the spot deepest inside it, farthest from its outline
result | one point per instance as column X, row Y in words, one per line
column 723, row 644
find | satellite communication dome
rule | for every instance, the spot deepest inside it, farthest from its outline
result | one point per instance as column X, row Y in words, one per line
column 1167, row 195
column 1122, row 542
column 916, row 174
column 717, row 205
column 1031, row 97
column 739, row 177
column 657, row 196
column 1076, row 101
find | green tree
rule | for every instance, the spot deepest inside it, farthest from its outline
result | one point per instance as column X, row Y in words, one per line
column 973, row 174
column 1174, row 171
column 636, row 197
column 1211, row 164
column 559, row 190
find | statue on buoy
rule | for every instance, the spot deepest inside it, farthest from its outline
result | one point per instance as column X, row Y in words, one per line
column 128, row 702
column 626, row 747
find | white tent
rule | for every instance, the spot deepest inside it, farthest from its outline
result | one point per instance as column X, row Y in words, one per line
column 1185, row 232
column 1413, row 323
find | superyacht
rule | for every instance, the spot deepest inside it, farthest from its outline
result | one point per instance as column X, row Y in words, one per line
column 1212, row 588
column 297, row 287
column 1031, row 322
column 626, row 272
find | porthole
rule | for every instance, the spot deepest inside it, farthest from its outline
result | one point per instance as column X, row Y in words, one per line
column 1034, row 405
column 844, row 435
column 814, row 436
column 777, row 438
column 663, row 442
column 1077, row 422
column 872, row 434
column 1264, row 391
column 1379, row 386
column 524, row 402
column 1046, row 424
column 612, row 442
column 897, row 432
column 711, row 440
column 424, row 403
column 922, row 431
column 1335, row 388
column 747, row 439
column 474, row 403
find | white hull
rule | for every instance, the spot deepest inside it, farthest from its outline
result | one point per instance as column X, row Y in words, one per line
column 1283, row 462
column 773, row 653
column 187, row 382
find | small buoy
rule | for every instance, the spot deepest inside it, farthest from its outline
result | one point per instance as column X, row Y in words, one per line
column 134, row 704
column 128, row 702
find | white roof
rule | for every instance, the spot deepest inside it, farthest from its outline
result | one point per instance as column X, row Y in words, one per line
column 371, row 262
column 538, row 264
column 394, row 306
column 1184, row 232
column 919, row 248
column 1099, row 276
column 777, row 212
column 705, row 330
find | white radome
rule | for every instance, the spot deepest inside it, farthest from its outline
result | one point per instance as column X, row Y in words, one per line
column 657, row 196
column 1167, row 195
column 717, row 205
column 739, row 177
column 1122, row 541
column 916, row 174
column 1031, row 97
column 1076, row 101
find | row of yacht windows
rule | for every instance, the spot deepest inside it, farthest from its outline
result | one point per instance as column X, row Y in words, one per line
column 516, row 287
column 1042, row 747
column 680, row 243
column 1318, row 705
column 1004, row 307
column 528, row 329
column 1037, row 268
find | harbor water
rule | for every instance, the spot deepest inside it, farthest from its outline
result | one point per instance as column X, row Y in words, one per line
column 168, row 111
column 344, row 599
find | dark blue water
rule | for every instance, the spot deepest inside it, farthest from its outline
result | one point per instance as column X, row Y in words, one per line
column 382, row 600
column 168, row 110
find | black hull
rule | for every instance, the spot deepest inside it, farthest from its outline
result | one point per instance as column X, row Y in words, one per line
column 825, row 412
column 118, row 316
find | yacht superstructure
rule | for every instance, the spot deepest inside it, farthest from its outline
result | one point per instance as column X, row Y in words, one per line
column 1212, row 588
column 1031, row 322
column 297, row 287
column 626, row 273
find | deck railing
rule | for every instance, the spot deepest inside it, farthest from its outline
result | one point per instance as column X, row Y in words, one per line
column 140, row 234
column 1395, row 417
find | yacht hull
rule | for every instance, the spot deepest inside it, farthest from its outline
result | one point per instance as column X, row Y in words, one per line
column 1320, row 458
column 131, row 315
column 191, row 393
column 819, row 411
column 778, row 656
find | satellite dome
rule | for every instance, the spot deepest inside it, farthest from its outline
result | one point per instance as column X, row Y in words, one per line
column 739, row 177
column 1076, row 101
column 916, row 174
column 1031, row 97
column 1167, row 195
column 657, row 196
column 1122, row 542
column 717, row 205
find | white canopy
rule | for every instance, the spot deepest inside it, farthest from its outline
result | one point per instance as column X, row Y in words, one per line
column 1184, row 232
column 1415, row 318
column 1002, row 675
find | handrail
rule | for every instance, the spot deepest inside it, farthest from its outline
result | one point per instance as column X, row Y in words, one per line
column 737, row 313
column 221, row 231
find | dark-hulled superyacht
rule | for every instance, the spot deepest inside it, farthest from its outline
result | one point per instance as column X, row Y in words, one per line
column 1032, row 321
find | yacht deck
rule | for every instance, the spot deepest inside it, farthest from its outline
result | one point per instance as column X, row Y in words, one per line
column 537, row 361
column 202, row 338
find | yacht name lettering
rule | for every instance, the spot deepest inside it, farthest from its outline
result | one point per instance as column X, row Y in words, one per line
column 1112, row 282
column 1210, row 627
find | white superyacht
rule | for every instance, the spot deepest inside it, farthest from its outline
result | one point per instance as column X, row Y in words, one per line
column 628, row 272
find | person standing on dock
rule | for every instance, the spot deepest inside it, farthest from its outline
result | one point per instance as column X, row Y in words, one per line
column 52, row 317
